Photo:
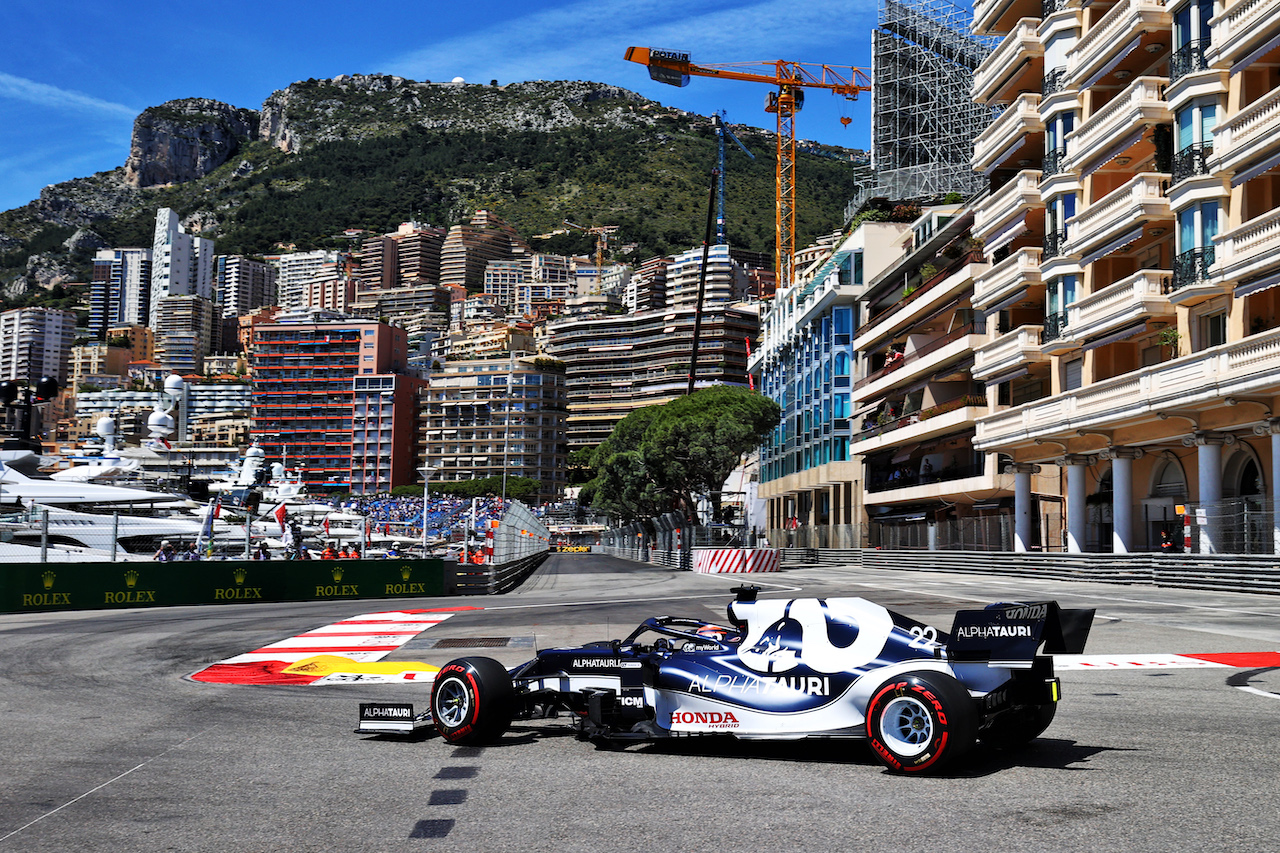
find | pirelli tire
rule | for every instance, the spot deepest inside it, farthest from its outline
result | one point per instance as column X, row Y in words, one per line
column 1018, row 727
column 921, row 722
column 472, row 701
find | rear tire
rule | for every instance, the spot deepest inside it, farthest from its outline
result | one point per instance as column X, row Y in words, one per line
column 921, row 722
column 472, row 701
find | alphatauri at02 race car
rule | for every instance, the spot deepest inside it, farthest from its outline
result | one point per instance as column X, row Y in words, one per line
column 786, row 669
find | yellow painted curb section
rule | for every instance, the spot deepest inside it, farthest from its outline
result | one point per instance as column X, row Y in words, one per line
column 324, row 665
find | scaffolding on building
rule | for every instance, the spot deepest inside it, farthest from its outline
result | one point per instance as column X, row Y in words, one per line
column 924, row 119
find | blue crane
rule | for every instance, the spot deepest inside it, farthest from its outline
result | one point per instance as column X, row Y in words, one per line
column 722, row 130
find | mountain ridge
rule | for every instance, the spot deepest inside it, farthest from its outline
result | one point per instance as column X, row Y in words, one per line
column 369, row 151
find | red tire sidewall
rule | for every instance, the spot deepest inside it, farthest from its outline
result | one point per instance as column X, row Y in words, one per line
column 937, row 747
column 467, row 676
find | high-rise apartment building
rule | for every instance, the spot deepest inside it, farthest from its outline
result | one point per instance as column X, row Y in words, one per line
column 467, row 250
column 187, row 329
column 619, row 363
column 36, row 342
column 181, row 264
column 243, row 285
column 336, row 399
column 483, row 418
column 295, row 271
column 121, row 289
column 725, row 279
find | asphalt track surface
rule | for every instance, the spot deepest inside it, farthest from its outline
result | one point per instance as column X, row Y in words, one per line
column 110, row 746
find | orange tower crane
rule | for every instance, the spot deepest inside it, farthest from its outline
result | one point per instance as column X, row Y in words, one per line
column 791, row 79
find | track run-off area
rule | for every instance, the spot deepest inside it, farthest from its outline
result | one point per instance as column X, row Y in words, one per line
column 231, row 728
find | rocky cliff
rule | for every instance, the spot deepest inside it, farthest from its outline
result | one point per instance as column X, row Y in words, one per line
column 186, row 139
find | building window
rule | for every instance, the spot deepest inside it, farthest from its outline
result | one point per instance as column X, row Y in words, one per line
column 1213, row 329
column 1057, row 211
column 1060, row 293
column 1194, row 142
column 1056, row 129
column 1197, row 226
column 1072, row 374
column 1191, row 38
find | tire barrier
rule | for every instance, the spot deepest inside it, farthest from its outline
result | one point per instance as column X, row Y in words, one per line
column 716, row 561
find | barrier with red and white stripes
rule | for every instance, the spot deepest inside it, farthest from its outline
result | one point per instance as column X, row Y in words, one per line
column 714, row 561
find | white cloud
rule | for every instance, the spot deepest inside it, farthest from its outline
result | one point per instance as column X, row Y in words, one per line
column 586, row 40
column 44, row 95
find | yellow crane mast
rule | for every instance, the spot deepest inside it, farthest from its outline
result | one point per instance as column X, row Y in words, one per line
column 791, row 79
column 601, row 233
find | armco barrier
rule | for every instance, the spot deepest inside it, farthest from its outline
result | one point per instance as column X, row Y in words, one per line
column 715, row 561
column 30, row 587
column 492, row 580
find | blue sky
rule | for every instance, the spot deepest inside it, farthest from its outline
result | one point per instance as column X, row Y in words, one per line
column 74, row 74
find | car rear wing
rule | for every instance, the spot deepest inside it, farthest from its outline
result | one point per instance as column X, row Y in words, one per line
column 1011, row 634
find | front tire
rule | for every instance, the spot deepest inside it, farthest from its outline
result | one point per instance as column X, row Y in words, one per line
column 920, row 722
column 472, row 701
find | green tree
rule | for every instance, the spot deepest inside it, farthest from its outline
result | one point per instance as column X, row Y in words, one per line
column 662, row 457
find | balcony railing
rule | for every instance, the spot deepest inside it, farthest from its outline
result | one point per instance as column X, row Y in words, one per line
column 1055, row 161
column 1188, row 59
column 1192, row 161
column 889, row 424
column 1055, row 80
column 1054, row 326
column 1192, row 266
column 1053, row 243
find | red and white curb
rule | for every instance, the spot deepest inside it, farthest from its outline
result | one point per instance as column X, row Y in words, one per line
column 344, row 652
column 1231, row 660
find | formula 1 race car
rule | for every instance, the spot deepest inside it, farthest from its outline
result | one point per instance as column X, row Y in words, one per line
column 786, row 669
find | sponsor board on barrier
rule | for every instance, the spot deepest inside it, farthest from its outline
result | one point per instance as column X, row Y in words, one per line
column 571, row 549
column 82, row 586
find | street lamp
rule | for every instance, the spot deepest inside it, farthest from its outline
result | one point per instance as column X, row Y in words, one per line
column 426, row 471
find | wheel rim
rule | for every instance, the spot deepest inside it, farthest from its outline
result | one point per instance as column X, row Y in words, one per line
column 453, row 702
column 906, row 726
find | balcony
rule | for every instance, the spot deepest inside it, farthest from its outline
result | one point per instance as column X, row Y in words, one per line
column 1192, row 161
column 1017, row 130
column 1007, row 280
column 1119, row 217
column 1119, row 124
column 1248, row 141
column 1014, row 67
column 1054, row 339
column 1243, row 27
column 1117, row 34
column 1195, row 382
column 995, row 17
column 1249, row 253
column 920, row 362
column 1188, row 59
column 1123, row 306
column 1007, row 353
column 1008, row 206
column 1193, row 282
column 942, row 419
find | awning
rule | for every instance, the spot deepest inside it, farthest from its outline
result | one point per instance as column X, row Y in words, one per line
column 1257, row 286
column 862, row 410
column 1254, row 55
column 1123, row 240
column 1006, row 376
column 1018, row 296
column 902, row 454
column 1005, row 155
column 1249, row 174
column 1110, row 66
column 1126, row 332
column 1113, row 152
column 1005, row 235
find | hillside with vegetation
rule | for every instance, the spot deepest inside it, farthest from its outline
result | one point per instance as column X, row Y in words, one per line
column 371, row 152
